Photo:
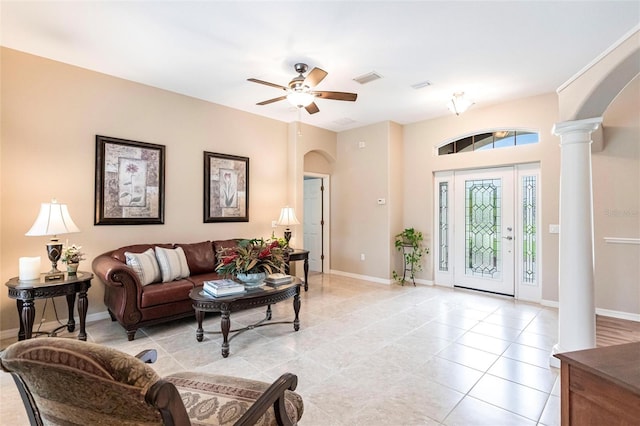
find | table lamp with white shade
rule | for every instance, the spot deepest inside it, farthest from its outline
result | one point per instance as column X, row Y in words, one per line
column 287, row 218
column 53, row 220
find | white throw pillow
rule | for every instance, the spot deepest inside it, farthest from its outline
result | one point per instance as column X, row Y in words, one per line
column 145, row 266
column 173, row 263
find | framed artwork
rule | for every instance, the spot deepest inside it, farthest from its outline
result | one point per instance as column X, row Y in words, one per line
column 129, row 182
column 226, row 188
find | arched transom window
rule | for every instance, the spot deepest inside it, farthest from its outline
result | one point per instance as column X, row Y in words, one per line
column 489, row 140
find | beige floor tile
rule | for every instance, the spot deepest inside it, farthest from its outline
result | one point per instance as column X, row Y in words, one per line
column 370, row 354
column 528, row 354
column 483, row 342
column 473, row 412
column 522, row 400
column 470, row 357
column 448, row 373
column 525, row 374
column 551, row 414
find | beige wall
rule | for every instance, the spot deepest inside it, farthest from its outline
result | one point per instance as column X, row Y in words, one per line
column 315, row 162
column 51, row 113
column 359, row 224
column 395, row 198
column 616, row 199
column 420, row 162
column 305, row 139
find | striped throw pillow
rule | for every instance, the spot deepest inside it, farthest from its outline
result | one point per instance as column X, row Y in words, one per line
column 145, row 266
column 173, row 263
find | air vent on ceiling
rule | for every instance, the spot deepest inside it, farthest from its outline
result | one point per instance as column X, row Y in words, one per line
column 368, row 78
column 422, row 84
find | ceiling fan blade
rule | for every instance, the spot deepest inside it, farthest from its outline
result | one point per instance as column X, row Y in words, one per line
column 266, row 83
column 338, row 96
column 314, row 77
column 270, row 101
column 312, row 108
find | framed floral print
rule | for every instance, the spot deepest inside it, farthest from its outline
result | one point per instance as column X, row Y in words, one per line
column 129, row 182
column 226, row 188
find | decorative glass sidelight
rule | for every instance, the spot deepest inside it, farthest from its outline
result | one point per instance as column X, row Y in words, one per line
column 483, row 199
column 529, row 203
column 443, row 227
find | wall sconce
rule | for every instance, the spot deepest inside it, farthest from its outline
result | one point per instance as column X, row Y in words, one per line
column 458, row 103
column 287, row 218
column 54, row 220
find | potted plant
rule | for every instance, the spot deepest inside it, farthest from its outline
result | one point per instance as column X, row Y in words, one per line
column 72, row 255
column 251, row 260
column 409, row 242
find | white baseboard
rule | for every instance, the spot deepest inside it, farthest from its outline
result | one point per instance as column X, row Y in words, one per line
column 51, row 325
column 361, row 277
column 600, row 311
column 376, row 279
column 618, row 314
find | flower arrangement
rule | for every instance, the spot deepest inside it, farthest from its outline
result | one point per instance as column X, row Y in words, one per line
column 72, row 254
column 250, row 257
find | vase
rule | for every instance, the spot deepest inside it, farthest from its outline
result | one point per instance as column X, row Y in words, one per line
column 72, row 268
column 252, row 280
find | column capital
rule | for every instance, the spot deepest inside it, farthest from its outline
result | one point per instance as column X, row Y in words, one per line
column 587, row 126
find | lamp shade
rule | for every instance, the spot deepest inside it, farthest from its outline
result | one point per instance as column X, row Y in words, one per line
column 53, row 219
column 288, row 217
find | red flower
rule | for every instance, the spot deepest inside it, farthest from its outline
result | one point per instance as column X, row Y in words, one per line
column 228, row 259
column 274, row 244
column 264, row 253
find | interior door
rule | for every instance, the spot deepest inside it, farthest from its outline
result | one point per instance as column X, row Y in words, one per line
column 312, row 222
column 484, row 237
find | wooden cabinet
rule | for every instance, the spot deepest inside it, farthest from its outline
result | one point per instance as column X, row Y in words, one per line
column 601, row 386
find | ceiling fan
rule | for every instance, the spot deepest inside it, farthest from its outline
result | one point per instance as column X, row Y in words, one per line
column 300, row 93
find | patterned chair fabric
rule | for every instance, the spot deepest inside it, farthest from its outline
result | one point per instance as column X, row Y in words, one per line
column 70, row 382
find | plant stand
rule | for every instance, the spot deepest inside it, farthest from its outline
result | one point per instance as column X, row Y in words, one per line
column 407, row 267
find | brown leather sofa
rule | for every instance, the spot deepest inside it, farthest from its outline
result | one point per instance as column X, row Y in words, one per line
column 135, row 305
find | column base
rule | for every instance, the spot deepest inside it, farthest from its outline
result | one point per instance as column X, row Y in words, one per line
column 553, row 361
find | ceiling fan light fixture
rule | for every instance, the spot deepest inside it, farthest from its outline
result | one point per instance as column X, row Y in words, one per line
column 300, row 99
column 458, row 103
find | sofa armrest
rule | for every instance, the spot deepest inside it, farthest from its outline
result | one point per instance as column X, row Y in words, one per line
column 272, row 397
column 113, row 272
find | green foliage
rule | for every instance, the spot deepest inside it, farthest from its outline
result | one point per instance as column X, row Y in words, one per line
column 251, row 256
column 409, row 243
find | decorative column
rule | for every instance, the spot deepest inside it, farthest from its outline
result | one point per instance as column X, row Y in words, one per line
column 576, row 314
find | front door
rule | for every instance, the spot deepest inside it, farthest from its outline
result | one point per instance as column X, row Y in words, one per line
column 484, row 236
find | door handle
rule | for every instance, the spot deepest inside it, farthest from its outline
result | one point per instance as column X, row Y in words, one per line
column 508, row 238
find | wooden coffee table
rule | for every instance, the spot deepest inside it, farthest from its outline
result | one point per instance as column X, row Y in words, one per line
column 253, row 298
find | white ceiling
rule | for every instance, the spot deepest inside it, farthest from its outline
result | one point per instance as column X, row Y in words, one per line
column 493, row 51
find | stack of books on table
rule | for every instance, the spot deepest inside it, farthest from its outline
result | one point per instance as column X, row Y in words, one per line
column 278, row 279
column 219, row 288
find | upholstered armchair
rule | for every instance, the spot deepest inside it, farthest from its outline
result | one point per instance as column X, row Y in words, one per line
column 65, row 382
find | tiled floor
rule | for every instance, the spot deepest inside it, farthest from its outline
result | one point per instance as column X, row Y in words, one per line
column 371, row 354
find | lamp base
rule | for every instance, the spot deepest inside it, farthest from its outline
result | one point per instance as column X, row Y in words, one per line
column 54, row 251
column 287, row 236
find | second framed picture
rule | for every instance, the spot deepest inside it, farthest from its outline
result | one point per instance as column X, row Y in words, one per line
column 226, row 188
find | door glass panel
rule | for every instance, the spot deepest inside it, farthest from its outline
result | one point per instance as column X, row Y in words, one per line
column 483, row 198
column 529, row 229
column 443, row 227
